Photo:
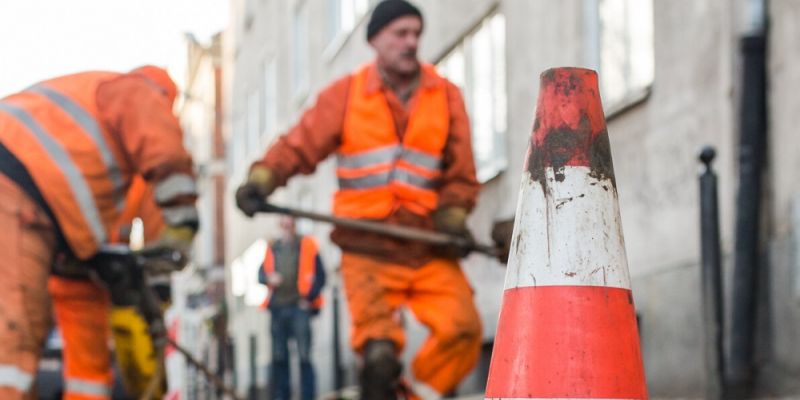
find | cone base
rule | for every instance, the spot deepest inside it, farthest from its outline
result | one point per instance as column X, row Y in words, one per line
column 567, row 342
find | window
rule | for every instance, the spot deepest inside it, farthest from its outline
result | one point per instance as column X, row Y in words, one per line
column 622, row 31
column 300, row 50
column 269, row 109
column 252, row 136
column 305, row 201
column 236, row 147
column 344, row 15
column 249, row 14
column 244, row 274
column 477, row 66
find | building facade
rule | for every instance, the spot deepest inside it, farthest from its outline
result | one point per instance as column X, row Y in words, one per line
column 198, row 291
column 671, row 81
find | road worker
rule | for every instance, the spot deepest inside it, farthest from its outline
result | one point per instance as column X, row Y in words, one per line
column 402, row 139
column 82, row 309
column 69, row 149
column 292, row 270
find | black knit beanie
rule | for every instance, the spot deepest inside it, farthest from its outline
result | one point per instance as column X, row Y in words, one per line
column 386, row 12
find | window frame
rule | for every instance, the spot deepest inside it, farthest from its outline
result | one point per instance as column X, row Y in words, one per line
column 300, row 59
column 491, row 167
column 338, row 39
column 269, row 102
column 633, row 95
column 252, row 135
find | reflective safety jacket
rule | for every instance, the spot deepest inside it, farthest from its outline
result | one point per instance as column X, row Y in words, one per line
column 319, row 132
column 139, row 203
column 378, row 173
column 310, row 273
column 82, row 137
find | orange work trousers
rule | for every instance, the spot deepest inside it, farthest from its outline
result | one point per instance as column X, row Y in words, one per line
column 439, row 296
column 82, row 310
column 27, row 243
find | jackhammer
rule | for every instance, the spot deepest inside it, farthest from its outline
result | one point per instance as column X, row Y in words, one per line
column 125, row 272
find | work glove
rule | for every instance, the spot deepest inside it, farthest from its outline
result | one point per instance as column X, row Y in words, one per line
column 502, row 231
column 453, row 221
column 170, row 251
column 261, row 182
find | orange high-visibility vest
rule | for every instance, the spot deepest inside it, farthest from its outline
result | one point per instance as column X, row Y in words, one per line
column 377, row 173
column 306, row 269
column 54, row 129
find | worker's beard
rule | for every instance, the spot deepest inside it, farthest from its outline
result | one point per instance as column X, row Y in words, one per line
column 395, row 73
column 408, row 67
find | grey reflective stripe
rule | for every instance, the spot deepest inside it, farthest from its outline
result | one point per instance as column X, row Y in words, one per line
column 88, row 124
column 180, row 215
column 410, row 178
column 381, row 179
column 174, row 186
column 365, row 182
column 421, row 159
column 87, row 388
column 11, row 375
column 383, row 155
column 80, row 188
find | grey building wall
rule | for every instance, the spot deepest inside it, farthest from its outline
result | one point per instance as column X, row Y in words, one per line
column 197, row 290
column 692, row 101
column 779, row 356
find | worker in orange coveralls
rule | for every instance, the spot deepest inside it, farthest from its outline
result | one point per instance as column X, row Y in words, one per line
column 402, row 141
column 82, row 309
column 69, row 148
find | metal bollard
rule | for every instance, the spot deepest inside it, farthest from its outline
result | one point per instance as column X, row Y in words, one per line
column 338, row 379
column 711, row 279
column 252, row 393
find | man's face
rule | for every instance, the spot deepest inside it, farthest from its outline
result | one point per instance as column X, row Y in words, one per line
column 396, row 45
column 288, row 226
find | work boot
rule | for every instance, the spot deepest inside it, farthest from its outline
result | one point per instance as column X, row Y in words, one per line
column 380, row 375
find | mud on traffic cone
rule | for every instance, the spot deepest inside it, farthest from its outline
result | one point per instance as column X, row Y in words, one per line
column 567, row 326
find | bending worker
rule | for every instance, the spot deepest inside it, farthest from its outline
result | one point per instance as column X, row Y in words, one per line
column 402, row 140
column 82, row 308
column 69, row 147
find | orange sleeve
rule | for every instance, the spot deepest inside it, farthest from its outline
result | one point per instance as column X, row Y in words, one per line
column 313, row 138
column 149, row 133
column 151, row 217
column 459, row 184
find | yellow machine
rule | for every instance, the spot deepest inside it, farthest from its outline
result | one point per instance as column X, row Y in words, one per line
column 135, row 354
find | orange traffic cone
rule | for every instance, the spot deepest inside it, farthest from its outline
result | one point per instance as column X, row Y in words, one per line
column 567, row 328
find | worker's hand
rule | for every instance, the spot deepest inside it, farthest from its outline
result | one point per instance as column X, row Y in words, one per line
column 502, row 232
column 175, row 238
column 274, row 279
column 453, row 221
column 304, row 304
column 261, row 182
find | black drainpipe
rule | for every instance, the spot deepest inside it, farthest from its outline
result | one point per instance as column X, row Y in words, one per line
column 752, row 149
